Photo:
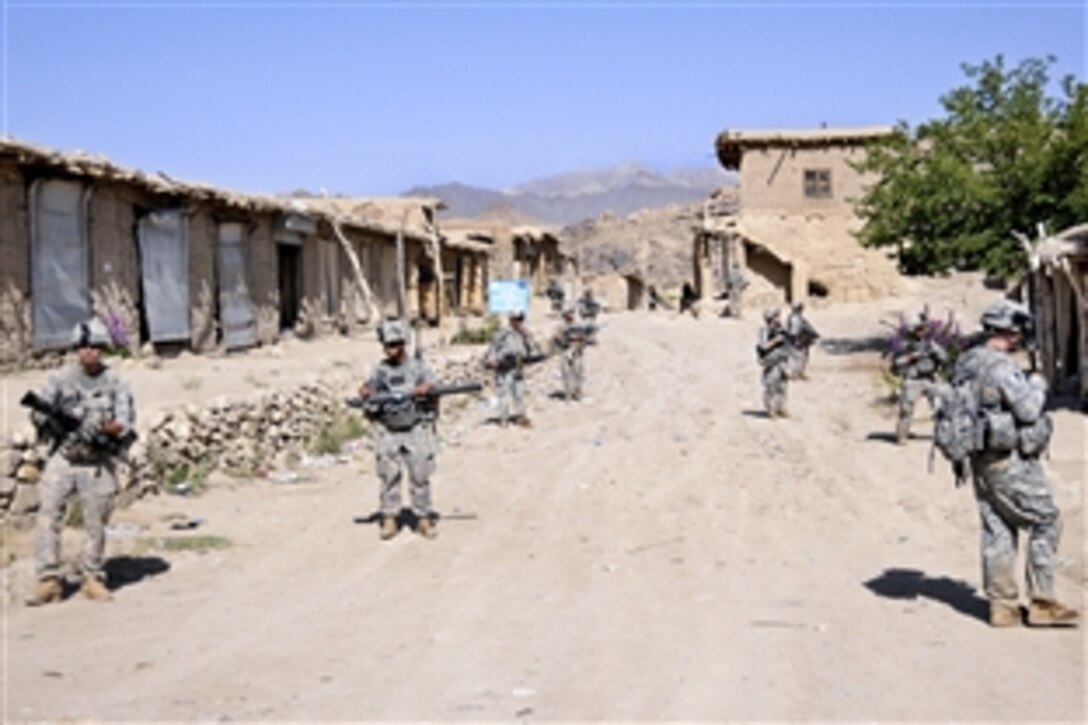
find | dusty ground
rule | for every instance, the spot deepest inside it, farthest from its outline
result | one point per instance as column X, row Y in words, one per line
column 659, row 551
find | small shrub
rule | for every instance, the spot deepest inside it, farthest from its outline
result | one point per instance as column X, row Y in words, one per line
column 255, row 381
column 192, row 383
column 334, row 433
column 183, row 543
column 193, row 473
column 479, row 335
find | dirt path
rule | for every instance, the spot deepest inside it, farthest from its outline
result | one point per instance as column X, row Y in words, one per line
column 659, row 551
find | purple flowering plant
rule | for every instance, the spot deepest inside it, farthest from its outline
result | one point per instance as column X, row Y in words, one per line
column 946, row 333
column 118, row 331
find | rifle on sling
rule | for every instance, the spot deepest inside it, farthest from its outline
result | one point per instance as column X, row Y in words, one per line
column 61, row 423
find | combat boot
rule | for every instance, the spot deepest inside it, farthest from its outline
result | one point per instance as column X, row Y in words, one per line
column 48, row 590
column 389, row 528
column 524, row 422
column 95, row 589
column 426, row 528
column 1004, row 613
column 1048, row 613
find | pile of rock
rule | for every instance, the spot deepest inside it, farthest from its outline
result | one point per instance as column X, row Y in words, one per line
column 21, row 463
column 242, row 436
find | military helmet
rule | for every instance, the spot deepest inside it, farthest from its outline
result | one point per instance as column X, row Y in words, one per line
column 1006, row 315
column 392, row 332
column 770, row 313
column 92, row 333
column 518, row 315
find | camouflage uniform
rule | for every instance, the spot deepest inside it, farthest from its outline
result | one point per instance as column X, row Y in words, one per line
column 1011, row 488
column 571, row 340
column 774, row 359
column 588, row 307
column 918, row 365
column 403, row 437
column 508, row 349
column 77, row 467
column 556, row 295
column 802, row 336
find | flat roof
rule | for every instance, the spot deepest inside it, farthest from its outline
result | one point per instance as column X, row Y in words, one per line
column 731, row 145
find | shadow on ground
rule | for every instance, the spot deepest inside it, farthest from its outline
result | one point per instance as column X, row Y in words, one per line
column 854, row 345
column 911, row 584
column 123, row 571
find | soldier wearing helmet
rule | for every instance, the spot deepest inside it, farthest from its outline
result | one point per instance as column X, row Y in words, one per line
column 511, row 348
column 773, row 350
column 402, row 441
column 571, row 339
column 802, row 337
column 918, row 364
column 81, row 462
column 1010, row 484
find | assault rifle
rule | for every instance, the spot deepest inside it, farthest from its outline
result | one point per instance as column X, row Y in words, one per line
column 587, row 333
column 1029, row 336
column 61, row 423
column 771, row 352
column 372, row 404
column 508, row 362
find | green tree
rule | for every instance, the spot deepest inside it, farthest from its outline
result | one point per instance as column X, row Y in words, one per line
column 1005, row 157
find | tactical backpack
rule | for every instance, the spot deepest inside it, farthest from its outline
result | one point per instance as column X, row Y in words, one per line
column 957, row 429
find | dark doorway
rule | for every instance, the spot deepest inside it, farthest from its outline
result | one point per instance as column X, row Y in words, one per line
column 289, row 257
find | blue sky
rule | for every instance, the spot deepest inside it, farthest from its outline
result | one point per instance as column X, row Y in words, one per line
column 371, row 98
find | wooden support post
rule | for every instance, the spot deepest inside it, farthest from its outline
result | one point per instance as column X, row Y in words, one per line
column 362, row 287
column 402, row 294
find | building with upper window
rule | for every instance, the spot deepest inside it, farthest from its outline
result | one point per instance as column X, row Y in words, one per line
column 790, row 225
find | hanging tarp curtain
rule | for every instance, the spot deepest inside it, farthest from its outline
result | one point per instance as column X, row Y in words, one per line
column 60, row 266
column 164, row 268
column 235, row 304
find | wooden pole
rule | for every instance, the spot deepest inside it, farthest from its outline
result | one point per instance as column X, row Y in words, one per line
column 402, row 294
column 363, row 288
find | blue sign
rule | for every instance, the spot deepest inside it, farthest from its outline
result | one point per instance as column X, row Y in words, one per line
column 508, row 295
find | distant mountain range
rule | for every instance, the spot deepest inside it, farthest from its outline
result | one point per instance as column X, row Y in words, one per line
column 580, row 195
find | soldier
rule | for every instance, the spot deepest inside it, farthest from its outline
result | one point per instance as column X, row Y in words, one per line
column 1009, row 481
column 802, row 336
column 571, row 339
column 774, row 354
column 688, row 300
column 918, row 365
column 82, row 462
column 735, row 282
column 511, row 348
column 653, row 299
column 555, row 294
column 402, row 436
column 588, row 306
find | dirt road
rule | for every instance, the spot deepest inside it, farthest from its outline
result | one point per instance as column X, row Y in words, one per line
column 658, row 551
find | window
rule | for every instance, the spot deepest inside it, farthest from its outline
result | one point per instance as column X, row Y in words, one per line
column 818, row 183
